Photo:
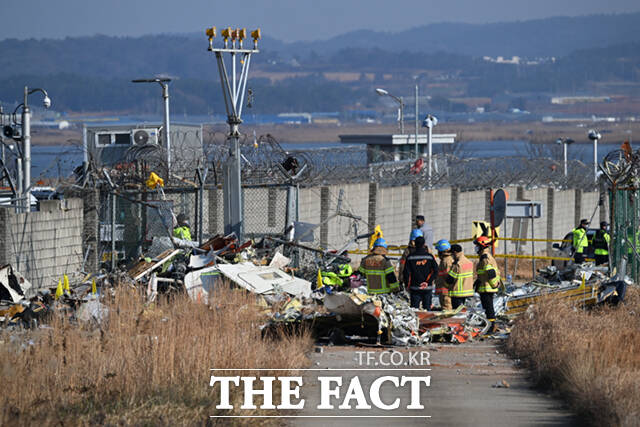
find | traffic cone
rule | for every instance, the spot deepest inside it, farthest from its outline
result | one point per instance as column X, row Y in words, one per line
column 319, row 283
column 93, row 287
column 66, row 283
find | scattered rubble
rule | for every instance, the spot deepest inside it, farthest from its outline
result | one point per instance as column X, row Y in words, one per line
column 336, row 306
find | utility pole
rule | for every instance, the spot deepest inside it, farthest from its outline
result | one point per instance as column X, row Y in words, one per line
column 594, row 135
column 25, row 194
column 26, row 152
column 430, row 122
column 164, row 82
column 417, row 151
column 565, row 142
column 233, row 90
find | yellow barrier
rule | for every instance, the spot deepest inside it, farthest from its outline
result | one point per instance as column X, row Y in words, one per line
column 516, row 239
column 548, row 258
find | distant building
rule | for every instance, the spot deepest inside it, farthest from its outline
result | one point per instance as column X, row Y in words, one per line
column 383, row 147
column 563, row 100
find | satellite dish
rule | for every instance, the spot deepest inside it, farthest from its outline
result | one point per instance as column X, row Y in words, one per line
column 499, row 206
column 141, row 137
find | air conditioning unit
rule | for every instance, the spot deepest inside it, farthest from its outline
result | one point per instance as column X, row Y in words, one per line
column 145, row 136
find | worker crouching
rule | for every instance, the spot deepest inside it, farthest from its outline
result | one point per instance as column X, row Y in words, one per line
column 419, row 273
column 377, row 268
column 460, row 278
column 488, row 277
column 182, row 230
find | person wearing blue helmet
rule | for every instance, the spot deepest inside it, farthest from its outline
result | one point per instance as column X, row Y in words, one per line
column 378, row 270
column 411, row 246
column 446, row 262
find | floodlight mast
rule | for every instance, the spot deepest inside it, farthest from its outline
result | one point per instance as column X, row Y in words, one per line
column 233, row 91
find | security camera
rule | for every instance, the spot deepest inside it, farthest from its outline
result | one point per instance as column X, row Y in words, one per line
column 593, row 135
column 429, row 121
column 46, row 102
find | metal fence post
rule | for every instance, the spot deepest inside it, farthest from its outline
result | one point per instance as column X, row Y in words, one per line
column 113, row 231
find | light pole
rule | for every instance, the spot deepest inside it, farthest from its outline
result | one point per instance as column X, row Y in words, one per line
column 25, row 195
column 564, row 142
column 430, row 121
column 233, row 89
column 416, row 135
column 399, row 100
column 164, row 82
column 594, row 135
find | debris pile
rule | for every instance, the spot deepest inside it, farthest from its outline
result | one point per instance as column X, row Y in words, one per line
column 336, row 306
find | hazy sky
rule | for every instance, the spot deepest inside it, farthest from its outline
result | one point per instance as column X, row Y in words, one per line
column 288, row 20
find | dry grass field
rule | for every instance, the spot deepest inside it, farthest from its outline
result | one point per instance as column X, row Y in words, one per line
column 148, row 365
column 589, row 357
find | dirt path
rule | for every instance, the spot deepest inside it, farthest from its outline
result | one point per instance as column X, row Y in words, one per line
column 462, row 390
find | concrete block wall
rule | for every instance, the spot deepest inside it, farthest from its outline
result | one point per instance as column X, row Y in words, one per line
column 393, row 213
column 471, row 207
column 46, row 244
column 449, row 211
column 563, row 213
column 436, row 208
column 309, row 205
column 356, row 201
column 540, row 229
column 265, row 210
column 589, row 206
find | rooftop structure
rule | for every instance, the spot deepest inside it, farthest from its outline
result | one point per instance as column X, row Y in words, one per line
column 401, row 147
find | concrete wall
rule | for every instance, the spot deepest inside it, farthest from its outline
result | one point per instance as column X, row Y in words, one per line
column 43, row 245
column 449, row 211
column 394, row 214
column 436, row 208
column 472, row 206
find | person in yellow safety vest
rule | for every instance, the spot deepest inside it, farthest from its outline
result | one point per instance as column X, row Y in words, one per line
column 488, row 278
column 377, row 268
column 182, row 231
column 630, row 244
column 601, row 242
column 337, row 279
column 411, row 247
column 580, row 241
column 446, row 262
column 460, row 278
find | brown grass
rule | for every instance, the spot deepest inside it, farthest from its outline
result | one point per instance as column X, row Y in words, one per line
column 146, row 365
column 590, row 358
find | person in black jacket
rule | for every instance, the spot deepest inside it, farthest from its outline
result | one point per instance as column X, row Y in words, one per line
column 419, row 273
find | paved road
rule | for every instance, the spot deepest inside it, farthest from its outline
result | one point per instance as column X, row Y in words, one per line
column 462, row 390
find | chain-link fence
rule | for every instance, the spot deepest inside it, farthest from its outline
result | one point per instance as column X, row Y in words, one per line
column 625, row 232
column 138, row 216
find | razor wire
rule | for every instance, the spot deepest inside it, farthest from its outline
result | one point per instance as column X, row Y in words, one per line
column 263, row 159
